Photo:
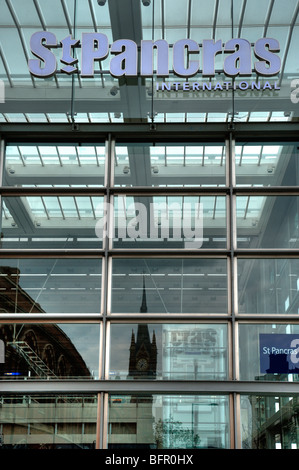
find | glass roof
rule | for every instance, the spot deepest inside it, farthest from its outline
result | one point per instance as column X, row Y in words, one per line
column 67, row 98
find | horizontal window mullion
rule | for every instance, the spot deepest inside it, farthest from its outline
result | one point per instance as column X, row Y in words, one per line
column 267, row 253
column 148, row 386
column 52, row 253
column 53, row 191
column 266, row 190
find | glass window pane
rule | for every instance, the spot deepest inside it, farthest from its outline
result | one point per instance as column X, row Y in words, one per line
column 269, row 422
column 169, row 285
column 267, row 222
column 50, row 285
column 169, row 164
column 265, row 164
column 170, row 222
column 168, row 351
column 48, row 421
column 267, row 352
column 55, row 165
column 268, row 285
column 50, row 351
column 168, row 421
column 52, row 222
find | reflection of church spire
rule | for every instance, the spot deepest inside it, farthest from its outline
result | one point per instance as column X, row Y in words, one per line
column 154, row 342
column 143, row 351
column 132, row 346
column 142, row 332
column 143, row 307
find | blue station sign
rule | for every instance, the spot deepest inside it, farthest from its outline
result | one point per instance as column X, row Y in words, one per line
column 279, row 353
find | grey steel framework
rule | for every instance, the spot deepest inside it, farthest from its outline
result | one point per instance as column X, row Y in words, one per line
column 269, row 132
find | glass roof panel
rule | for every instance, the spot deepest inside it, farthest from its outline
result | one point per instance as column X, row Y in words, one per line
column 5, row 17
column 283, row 12
column 224, row 13
column 85, row 207
column 250, row 206
column 281, row 34
column 176, row 15
column 99, row 117
column 14, row 56
column 259, row 116
column 175, row 117
column 238, row 10
column 25, row 12
column 57, row 117
column 195, row 117
column 174, row 34
column 147, row 33
column 102, row 16
column 199, row 33
column 69, row 10
column 15, row 117
column 147, row 16
column 252, row 34
column 216, row 117
column 291, row 65
column 202, row 16
column 52, row 13
column 279, row 116
column 37, row 117
column 250, row 15
column 169, row 165
column 222, row 32
column 54, row 165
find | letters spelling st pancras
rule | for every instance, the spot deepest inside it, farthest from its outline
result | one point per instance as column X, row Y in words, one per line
column 130, row 59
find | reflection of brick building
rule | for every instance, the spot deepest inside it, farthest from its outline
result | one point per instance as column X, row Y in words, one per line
column 39, row 350
column 273, row 420
column 13, row 299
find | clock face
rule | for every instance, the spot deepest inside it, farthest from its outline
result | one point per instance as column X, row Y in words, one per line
column 142, row 364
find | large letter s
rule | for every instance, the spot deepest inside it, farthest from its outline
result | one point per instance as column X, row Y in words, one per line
column 39, row 44
column 269, row 63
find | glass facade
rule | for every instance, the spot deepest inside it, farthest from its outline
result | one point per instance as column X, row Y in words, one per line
column 171, row 285
column 49, row 422
column 149, row 251
column 169, row 421
column 43, row 351
column 177, row 352
column 257, row 411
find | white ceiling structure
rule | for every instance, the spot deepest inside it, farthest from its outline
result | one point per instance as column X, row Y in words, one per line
column 63, row 97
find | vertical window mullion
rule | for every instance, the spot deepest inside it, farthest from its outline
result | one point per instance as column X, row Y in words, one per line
column 2, row 157
column 232, row 244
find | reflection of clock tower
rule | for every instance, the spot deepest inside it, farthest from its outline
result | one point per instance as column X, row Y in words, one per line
column 143, row 351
